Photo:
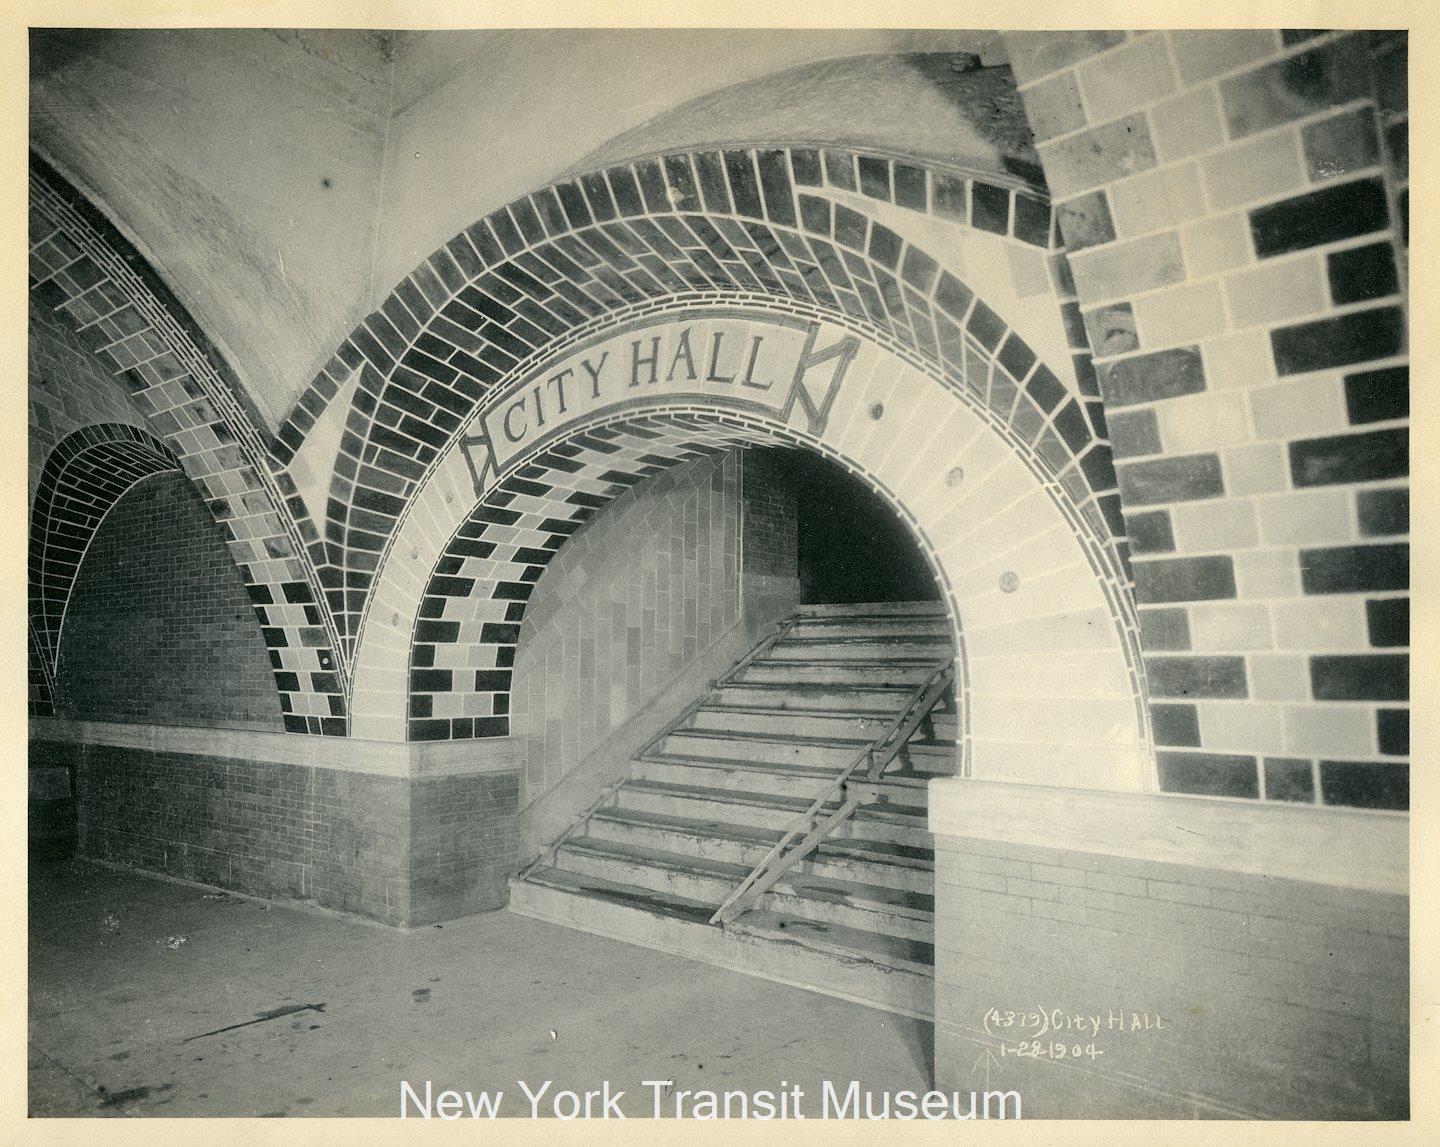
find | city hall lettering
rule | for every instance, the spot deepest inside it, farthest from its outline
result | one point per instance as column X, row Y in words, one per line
column 781, row 370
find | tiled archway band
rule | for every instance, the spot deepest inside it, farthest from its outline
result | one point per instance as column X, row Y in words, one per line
column 84, row 270
column 699, row 226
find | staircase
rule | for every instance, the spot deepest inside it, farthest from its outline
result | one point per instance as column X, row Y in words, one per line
column 708, row 799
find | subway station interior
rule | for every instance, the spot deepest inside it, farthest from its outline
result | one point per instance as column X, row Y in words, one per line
column 726, row 556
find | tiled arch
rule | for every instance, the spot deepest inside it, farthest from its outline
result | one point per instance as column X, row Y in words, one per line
column 440, row 638
column 84, row 271
column 83, row 477
column 782, row 223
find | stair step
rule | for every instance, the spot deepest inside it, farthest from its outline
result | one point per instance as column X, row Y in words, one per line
column 869, row 907
column 809, row 697
column 878, row 627
column 831, row 959
column 766, row 748
column 937, row 649
column 867, row 674
column 853, row 724
column 876, row 609
column 914, row 956
column 866, row 862
column 898, row 786
column 894, row 824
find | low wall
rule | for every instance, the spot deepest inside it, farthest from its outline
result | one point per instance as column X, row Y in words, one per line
column 1206, row 958
column 404, row 834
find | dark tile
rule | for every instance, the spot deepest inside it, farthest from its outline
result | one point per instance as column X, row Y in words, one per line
column 815, row 214
column 1356, row 569
column 1287, row 779
column 805, row 163
column 1032, row 220
column 1150, row 377
column 986, row 325
column 1360, row 677
column 1387, row 622
column 1378, row 395
column 740, row 168
column 1362, row 273
column 1359, row 336
column 1208, row 774
column 1294, row 87
column 953, row 296
column 1086, row 222
column 1133, row 433
column 1341, row 144
column 1016, row 356
column 1392, row 731
column 1150, row 532
column 1175, row 725
column 1070, row 424
column 710, row 172
column 1383, row 513
column 1044, row 387
column 775, row 183
column 1196, row 676
column 989, row 208
column 1366, row 456
column 910, row 187
column 1208, row 578
column 840, row 169
column 1187, row 478
column 1164, row 630
column 874, row 176
column 1363, row 784
column 1325, row 216
column 1098, row 466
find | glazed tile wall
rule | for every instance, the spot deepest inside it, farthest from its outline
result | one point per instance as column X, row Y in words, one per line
column 628, row 602
column 1233, row 203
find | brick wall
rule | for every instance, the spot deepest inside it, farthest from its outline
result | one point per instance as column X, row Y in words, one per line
column 629, row 601
column 1232, row 203
column 269, row 829
column 406, row 850
column 159, row 628
column 463, row 837
column 1278, row 998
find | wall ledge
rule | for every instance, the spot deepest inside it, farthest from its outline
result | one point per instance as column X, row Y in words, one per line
column 1346, row 848
column 408, row 759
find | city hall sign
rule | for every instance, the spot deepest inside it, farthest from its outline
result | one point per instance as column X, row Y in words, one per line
column 781, row 367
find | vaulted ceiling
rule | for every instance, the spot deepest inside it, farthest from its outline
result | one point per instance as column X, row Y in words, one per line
column 283, row 181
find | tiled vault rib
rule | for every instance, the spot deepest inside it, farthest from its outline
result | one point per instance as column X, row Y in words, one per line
column 708, row 225
column 85, row 475
column 83, row 270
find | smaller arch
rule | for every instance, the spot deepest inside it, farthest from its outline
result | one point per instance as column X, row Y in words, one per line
column 83, row 477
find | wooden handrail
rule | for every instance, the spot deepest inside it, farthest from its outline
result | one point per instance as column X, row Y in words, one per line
column 877, row 757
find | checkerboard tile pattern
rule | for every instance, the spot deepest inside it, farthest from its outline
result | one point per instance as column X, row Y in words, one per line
column 83, row 271
column 1234, row 207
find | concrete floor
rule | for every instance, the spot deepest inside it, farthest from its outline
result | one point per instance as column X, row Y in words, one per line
column 132, row 977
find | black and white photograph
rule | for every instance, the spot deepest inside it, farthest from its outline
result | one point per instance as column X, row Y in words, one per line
column 587, row 572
